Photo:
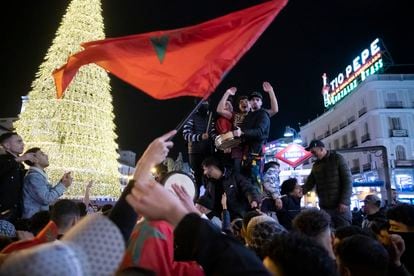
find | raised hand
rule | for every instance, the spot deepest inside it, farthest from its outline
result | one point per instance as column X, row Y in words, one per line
column 231, row 91
column 155, row 153
column 67, row 179
column 267, row 87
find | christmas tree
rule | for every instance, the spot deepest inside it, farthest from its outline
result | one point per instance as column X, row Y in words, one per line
column 77, row 132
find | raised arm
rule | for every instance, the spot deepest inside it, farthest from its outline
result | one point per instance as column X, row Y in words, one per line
column 122, row 214
column 221, row 107
column 155, row 153
column 86, row 199
column 274, row 107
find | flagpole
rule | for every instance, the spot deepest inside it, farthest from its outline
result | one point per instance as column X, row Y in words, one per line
column 181, row 124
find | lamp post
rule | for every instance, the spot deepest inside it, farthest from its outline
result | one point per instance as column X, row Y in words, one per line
column 291, row 132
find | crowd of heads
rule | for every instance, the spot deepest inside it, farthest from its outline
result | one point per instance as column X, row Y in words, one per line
column 309, row 244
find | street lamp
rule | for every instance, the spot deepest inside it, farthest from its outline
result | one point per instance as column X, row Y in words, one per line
column 291, row 132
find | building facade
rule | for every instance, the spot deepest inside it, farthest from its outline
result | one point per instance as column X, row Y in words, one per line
column 379, row 112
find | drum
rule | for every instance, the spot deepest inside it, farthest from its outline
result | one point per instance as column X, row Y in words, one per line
column 182, row 179
column 226, row 141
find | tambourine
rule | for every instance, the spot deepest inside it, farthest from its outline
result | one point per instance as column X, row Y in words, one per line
column 182, row 179
column 226, row 141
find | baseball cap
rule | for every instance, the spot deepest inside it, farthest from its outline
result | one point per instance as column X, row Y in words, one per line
column 255, row 94
column 94, row 246
column 314, row 144
column 374, row 199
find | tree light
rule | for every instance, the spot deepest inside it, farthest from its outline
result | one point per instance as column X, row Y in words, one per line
column 77, row 132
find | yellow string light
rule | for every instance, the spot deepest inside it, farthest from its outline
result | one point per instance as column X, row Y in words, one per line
column 78, row 131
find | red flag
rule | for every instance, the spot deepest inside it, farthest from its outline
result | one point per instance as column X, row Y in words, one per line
column 189, row 61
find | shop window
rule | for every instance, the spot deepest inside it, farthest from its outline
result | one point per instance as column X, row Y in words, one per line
column 400, row 153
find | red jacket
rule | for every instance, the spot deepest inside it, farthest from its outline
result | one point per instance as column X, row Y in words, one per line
column 151, row 246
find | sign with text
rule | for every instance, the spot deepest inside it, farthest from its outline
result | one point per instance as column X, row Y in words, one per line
column 368, row 62
column 294, row 155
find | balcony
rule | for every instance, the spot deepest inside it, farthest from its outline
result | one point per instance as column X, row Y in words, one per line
column 353, row 143
column 355, row 170
column 362, row 111
column 393, row 104
column 335, row 129
column 404, row 163
column 398, row 133
column 365, row 138
column 366, row 167
column 351, row 119
column 327, row 134
column 342, row 125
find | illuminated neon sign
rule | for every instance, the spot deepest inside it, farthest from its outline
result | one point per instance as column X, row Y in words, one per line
column 369, row 62
column 294, row 155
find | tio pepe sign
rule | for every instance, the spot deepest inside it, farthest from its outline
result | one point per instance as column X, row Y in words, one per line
column 367, row 63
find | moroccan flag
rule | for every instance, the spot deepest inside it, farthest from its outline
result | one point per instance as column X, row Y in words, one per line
column 189, row 61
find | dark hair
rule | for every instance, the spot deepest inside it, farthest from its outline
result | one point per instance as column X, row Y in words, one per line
column 107, row 207
column 242, row 97
column 403, row 213
column 378, row 224
column 363, row 255
column 248, row 216
column 311, row 222
column 63, row 212
column 6, row 136
column 31, row 150
column 206, row 202
column 270, row 164
column 82, row 209
column 212, row 161
column 237, row 224
column 5, row 241
column 161, row 172
column 236, row 227
column 38, row 221
column 348, row 231
column 286, row 249
column 288, row 186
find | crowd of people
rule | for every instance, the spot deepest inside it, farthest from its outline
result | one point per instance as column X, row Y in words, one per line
column 241, row 220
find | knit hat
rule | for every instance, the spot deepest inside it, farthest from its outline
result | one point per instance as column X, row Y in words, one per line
column 7, row 229
column 92, row 247
column 260, row 232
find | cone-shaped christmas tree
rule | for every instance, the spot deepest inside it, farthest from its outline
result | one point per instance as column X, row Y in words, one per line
column 77, row 132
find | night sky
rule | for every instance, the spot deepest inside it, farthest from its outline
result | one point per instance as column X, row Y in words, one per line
column 306, row 39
